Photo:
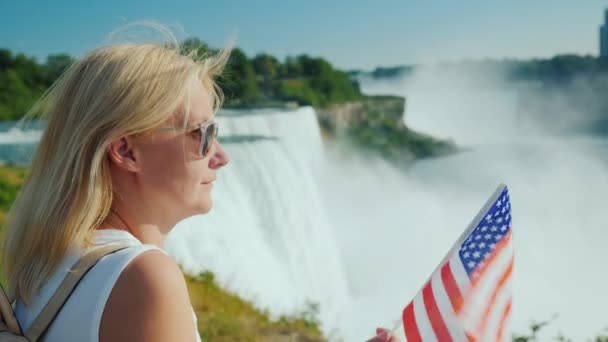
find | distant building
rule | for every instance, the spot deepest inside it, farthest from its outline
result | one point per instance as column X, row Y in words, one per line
column 604, row 36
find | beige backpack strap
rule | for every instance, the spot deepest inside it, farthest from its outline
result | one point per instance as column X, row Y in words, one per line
column 8, row 315
column 64, row 290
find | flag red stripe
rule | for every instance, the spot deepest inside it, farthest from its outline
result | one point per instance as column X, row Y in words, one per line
column 501, row 283
column 409, row 323
column 449, row 282
column 432, row 310
column 505, row 315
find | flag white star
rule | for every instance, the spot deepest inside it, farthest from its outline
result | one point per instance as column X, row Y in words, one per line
column 484, row 228
column 471, row 264
column 492, row 245
column 476, row 255
column 482, row 245
column 498, row 237
column 493, row 229
column 499, row 220
column 466, row 255
column 503, row 228
column 489, row 218
column 477, row 237
column 488, row 236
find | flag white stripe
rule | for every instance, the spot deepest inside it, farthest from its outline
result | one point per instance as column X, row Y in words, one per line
column 460, row 274
column 506, row 333
column 495, row 318
column 422, row 320
column 480, row 296
column 445, row 308
column 488, row 284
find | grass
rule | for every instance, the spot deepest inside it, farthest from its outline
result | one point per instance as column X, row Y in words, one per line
column 226, row 317
column 222, row 316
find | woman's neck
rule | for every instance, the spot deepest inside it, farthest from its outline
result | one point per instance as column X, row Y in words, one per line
column 146, row 233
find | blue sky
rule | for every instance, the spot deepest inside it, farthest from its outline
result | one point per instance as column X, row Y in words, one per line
column 350, row 34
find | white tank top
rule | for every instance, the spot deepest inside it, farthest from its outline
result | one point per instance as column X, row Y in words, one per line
column 80, row 317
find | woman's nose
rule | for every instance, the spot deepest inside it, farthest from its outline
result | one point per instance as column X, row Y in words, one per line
column 219, row 158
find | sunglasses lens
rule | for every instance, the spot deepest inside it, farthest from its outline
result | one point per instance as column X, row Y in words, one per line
column 210, row 135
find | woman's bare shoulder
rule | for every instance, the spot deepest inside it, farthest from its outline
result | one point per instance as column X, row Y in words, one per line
column 149, row 302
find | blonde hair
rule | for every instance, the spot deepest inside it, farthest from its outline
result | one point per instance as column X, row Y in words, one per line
column 114, row 91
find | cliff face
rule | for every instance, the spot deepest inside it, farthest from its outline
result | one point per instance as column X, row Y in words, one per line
column 336, row 119
column 375, row 124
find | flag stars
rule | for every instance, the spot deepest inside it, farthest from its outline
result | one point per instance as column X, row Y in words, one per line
column 478, row 247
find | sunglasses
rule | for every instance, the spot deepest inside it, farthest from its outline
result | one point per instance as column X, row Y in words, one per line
column 207, row 132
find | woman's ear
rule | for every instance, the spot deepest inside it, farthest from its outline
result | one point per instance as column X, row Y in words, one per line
column 123, row 154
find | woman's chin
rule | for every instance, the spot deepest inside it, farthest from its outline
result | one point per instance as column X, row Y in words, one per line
column 206, row 206
column 198, row 206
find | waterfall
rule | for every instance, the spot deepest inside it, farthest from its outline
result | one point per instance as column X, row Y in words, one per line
column 268, row 237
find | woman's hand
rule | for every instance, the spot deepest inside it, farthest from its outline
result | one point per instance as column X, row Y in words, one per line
column 384, row 335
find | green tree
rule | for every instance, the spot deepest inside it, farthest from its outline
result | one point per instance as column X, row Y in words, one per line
column 194, row 44
column 239, row 82
column 6, row 59
column 57, row 64
column 266, row 66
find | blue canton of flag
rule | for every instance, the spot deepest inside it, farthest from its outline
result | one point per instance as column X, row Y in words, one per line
column 492, row 228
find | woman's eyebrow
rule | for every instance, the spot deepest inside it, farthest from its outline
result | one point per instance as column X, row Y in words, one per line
column 208, row 119
column 202, row 122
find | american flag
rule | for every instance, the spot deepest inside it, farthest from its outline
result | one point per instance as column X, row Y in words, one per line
column 468, row 297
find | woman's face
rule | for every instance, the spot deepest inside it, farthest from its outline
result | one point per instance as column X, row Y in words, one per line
column 175, row 179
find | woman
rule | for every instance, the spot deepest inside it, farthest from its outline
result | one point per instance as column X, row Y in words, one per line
column 129, row 150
